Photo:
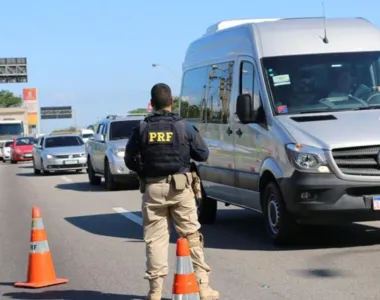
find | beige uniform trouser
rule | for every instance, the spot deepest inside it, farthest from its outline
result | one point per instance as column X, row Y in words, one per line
column 161, row 202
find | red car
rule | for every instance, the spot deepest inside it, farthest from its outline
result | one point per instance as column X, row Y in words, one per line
column 21, row 149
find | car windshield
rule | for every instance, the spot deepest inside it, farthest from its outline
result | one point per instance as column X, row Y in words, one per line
column 87, row 135
column 7, row 144
column 122, row 129
column 324, row 82
column 63, row 141
column 25, row 141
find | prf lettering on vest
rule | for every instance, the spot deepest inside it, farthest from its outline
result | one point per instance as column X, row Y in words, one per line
column 160, row 137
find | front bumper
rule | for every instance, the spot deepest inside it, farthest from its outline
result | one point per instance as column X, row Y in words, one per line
column 59, row 164
column 21, row 156
column 118, row 169
column 329, row 197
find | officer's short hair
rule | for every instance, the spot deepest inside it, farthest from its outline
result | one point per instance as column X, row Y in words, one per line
column 161, row 96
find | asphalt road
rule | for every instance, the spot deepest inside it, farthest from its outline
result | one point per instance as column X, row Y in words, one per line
column 97, row 246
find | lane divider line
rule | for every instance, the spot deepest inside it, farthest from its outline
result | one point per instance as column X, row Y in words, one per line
column 65, row 178
column 129, row 215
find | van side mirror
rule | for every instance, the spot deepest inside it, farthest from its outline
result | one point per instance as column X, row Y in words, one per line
column 99, row 137
column 245, row 109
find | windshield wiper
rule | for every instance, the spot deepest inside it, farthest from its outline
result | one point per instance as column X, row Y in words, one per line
column 313, row 111
column 368, row 107
column 340, row 109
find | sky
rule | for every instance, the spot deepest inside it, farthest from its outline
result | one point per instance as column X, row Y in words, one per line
column 97, row 55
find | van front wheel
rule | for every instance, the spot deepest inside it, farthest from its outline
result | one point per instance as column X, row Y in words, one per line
column 280, row 225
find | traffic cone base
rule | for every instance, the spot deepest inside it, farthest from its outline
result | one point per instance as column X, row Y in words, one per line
column 41, row 271
column 41, row 284
column 185, row 284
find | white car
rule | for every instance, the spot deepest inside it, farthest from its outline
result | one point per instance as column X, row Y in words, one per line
column 6, row 151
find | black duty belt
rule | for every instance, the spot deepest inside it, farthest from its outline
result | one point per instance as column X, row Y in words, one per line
column 161, row 179
column 166, row 179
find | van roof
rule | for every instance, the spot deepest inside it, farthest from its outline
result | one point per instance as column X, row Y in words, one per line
column 281, row 37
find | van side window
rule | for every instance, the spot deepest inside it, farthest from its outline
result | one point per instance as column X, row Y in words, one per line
column 246, row 78
column 206, row 93
column 248, row 81
column 104, row 131
column 193, row 94
column 100, row 129
column 219, row 92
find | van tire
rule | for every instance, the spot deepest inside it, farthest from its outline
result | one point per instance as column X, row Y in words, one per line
column 206, row 208
column 109, row 181
column 36, row 171
column 92, row 178
column 133, row 182
column 279, row 223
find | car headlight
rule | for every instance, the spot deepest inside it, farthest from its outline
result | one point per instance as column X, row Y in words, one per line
column 118, row 152
column 49, row 156
column 307, row 158
column 83, row 154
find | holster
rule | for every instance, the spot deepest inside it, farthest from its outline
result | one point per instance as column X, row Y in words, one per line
column 142, row 185
column 196, row 185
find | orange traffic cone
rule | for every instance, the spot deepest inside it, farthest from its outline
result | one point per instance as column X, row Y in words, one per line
column 40, row 267
column 185, row 283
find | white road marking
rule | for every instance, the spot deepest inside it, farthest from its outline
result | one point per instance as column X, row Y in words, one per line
column 130, row 216
column 65, row 178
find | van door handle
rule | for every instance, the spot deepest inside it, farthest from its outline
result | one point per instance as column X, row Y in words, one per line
column 239, row 132
column 229, row 131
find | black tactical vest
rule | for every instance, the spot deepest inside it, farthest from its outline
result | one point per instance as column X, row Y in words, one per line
column 164, row 144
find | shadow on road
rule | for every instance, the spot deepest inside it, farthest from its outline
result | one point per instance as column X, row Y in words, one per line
column 71, row 295
column 86, row 187
column 31, row 174
column 26, row 167
column 80, row 187
column 113, row 225
column 240, row 230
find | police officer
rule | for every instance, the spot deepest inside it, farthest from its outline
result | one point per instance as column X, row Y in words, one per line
column 160, row 150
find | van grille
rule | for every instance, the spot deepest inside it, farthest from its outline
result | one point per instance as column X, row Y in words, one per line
column 361, row 161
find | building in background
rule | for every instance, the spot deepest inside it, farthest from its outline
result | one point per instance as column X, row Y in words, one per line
column 30, row 98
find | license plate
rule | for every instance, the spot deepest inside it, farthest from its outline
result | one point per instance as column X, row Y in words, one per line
column 70, row 162
column 376, row 203
column 28, row 155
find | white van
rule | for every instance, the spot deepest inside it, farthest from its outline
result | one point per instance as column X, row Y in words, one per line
column 87, row 134
column 291, row 117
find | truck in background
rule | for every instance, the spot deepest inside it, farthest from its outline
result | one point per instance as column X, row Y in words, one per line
column 13, row 122
column 87, row 134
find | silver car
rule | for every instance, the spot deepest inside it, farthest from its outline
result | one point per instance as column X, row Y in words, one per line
column 64, row 152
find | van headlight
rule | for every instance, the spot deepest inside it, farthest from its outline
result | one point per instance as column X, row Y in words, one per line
column 307, row 158
column 118, row 152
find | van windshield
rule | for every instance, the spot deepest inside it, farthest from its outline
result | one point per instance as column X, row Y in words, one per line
column 324, row 82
